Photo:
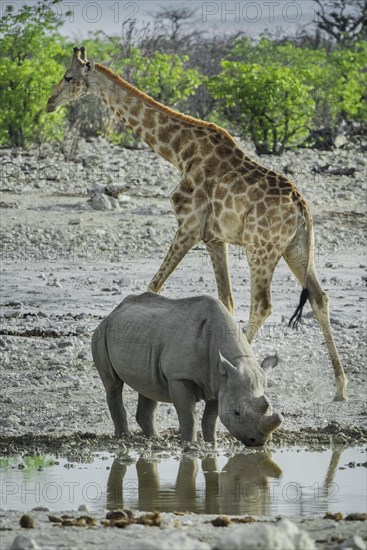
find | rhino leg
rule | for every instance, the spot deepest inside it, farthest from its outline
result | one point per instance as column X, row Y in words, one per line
column 183, row 398
column 117, row 409
column 209, row 421
column 145, row 415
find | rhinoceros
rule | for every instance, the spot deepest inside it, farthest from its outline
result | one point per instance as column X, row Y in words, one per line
column 181, row 351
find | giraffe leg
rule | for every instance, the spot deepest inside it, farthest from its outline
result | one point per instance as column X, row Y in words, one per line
column 181, row 244
column 319, row 301
column 262, row 264
column 218, row 256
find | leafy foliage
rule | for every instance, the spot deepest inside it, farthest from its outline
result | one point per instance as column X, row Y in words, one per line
column 281, row 93
column 30, row 47
column 335, row 80
column 270, row 103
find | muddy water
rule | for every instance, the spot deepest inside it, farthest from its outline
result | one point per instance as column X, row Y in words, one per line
column 293, row 481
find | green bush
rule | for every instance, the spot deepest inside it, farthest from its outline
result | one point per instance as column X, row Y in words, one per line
column 270, row 103
column 29, row 46
column 336, row 80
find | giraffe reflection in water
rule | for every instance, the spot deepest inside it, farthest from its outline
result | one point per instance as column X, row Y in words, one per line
column 242, row 487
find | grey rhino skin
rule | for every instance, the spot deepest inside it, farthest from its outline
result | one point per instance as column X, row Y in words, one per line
column 182, row 351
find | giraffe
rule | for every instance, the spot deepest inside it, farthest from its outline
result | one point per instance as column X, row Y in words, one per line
column 223, row 197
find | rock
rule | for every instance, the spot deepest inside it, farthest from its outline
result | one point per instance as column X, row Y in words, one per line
column 354, row 543
column 12, row 314
column 115, row 204
column 290, row 168
column 285, row 535
column 340, row 140
column 124, row 281
column 24, row 543
column 83, row 508
column 64, row 344
column 115, row 189
column 96, row 188
column 56, row 283
column 222, row 521
column 26, row 521
column 100, row 201
column 116, row 515
column 357, row 516
column 173, row 542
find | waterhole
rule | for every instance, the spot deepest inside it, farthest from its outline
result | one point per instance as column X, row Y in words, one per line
column 294, row 481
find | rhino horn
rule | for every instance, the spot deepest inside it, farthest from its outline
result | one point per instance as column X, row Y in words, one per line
column 262, row 404
column 270, row 423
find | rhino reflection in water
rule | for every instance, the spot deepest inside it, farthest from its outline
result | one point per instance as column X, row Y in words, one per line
column 180, row 352
column 242, row 487
column 244, row 484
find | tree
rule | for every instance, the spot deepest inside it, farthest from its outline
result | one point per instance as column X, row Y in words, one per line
column 177, row 18
column 343, row 20
column 163, row 76
column 29, row 46
column 271, row 104
column 336, row 81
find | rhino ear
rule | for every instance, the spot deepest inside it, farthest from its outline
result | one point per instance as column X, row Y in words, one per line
column 225, row 367
column 269, row 363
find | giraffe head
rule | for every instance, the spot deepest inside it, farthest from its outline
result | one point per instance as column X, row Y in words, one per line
column 75, row 83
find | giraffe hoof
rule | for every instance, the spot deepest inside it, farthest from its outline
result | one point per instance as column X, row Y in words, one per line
column 341, row 397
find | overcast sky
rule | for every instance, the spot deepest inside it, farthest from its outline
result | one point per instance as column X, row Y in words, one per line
column 248, row 16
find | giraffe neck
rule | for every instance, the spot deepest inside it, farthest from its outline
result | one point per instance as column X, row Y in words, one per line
column 169, row 133
column 138, row 111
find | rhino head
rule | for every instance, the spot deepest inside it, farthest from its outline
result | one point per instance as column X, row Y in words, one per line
column 245, row 416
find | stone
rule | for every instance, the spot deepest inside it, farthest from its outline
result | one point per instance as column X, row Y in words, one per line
column 83, row 508
column 100, row 201
column 40, row 509
column 12, row 314
column 24, row 543
column 354, row 543
column 64, row 344
column 285, row 535
column 26, row 521
column 340, row 141
column 172, row 542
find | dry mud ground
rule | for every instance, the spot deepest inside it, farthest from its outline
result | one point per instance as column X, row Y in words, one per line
column 66, row 265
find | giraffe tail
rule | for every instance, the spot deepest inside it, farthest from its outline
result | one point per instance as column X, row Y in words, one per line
column 305, row 294
column 297, row 315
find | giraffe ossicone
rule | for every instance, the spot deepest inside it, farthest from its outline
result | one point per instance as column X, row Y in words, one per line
column 224, row 197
